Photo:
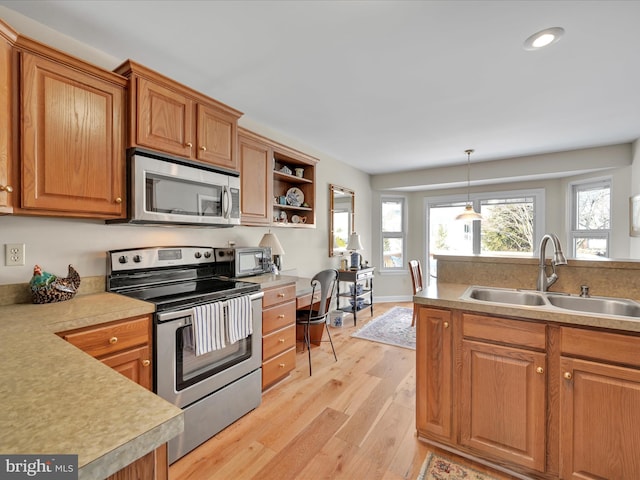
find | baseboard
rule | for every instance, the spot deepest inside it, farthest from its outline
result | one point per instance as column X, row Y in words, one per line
column 396, row 299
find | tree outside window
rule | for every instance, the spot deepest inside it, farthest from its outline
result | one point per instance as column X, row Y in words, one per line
column 591, row 219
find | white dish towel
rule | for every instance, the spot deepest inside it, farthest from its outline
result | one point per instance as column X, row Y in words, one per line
column 239, row 324
column 209, row 327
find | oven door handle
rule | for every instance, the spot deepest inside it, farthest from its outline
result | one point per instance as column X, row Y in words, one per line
column 168, row 316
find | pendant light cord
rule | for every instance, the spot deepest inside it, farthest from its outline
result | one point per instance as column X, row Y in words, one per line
column 468, row 152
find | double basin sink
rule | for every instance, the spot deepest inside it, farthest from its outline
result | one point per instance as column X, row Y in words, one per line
column 550, row 300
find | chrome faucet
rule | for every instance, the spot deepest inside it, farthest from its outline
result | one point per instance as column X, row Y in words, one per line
column 545, row 282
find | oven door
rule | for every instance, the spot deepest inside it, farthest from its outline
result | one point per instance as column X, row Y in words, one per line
column 181, row 377
column 168, row 192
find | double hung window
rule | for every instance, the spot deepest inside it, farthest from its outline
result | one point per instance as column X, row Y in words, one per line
column 393, row 233
column 590, row 233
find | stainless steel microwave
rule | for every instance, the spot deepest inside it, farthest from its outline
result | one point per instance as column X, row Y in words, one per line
column 170, row 190
column 245, row 261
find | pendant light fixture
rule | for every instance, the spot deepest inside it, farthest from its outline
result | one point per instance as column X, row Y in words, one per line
column 469, row 213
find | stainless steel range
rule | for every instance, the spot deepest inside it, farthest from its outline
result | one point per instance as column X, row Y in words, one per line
column 214, row 383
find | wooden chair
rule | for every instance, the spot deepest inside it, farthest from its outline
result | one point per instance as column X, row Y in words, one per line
column 416, row 279
column 326, row 282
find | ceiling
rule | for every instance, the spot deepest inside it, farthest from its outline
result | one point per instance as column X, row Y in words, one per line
column 387, row 86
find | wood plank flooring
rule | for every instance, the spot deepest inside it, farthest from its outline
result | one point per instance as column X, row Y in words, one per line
column 353, row 419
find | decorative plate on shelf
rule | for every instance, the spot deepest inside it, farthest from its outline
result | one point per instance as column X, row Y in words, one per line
column 295, row 197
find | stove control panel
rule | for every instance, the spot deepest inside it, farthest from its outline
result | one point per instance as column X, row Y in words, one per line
column 157, row 257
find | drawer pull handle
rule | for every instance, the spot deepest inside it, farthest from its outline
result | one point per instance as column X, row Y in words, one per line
column 446, row 324
column 281, row 340
column 281, row 315
column 282, row 365
column 113, row 340
column 146, row 362
column 281, row 295
column 540, row 370
column 567, row 375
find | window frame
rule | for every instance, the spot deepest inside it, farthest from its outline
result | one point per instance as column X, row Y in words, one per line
column 538, row 194
column 576, row 187
column 402, row 199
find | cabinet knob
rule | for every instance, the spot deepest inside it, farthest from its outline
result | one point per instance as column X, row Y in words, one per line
column 118, row 200
column 568, row 375
column 281, row 315
column 282, row 365
column 281, row 340
column 203, row 148
column 446, row 324
column 113, row 340
column 189, row 144
column 146, row 362
column 281, row 295
column 540, row 370
column 6, row 188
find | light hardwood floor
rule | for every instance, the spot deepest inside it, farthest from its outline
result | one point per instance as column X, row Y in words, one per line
column 353, row 419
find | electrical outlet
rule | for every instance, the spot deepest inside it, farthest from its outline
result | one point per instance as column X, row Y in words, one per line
column 14, row 254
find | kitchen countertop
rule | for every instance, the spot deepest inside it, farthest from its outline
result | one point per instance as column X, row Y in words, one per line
column 57, row 399
column 447, row 295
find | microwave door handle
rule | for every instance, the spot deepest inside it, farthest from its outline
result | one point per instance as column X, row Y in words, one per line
column 226, row 208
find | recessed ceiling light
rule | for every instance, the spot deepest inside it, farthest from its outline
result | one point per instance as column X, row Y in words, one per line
column 543, row 38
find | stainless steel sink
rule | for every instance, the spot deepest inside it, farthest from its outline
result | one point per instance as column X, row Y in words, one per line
column 552, row 300
column 512, row 297
column 606, row 306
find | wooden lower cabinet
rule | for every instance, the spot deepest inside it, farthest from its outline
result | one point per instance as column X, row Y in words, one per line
column 535, row 398
column 278, row 334
column 125, row 346
column 600, row 408
column 434, row 368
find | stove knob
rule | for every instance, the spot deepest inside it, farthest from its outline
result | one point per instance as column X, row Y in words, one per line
column 137, row 259
column 207, row 254
column 123, row 259
column 198, row 254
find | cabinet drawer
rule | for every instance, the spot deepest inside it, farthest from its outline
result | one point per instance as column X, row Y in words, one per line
column 278, row 367
column 273, row 296
column 278, row 341
column 504, row 330
column 110, row 338
column 612, row 347
column 279, row 316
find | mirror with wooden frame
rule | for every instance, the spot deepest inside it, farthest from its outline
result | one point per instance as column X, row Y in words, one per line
column 341, row 218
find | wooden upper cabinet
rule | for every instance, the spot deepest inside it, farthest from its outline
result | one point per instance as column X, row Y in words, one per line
column 169, row 117
column 255, row 175
column 164, row 119
column 8, row 188
column 73, row 155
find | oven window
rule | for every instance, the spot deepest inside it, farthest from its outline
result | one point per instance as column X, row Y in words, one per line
column 191, row 369
column 184, row 197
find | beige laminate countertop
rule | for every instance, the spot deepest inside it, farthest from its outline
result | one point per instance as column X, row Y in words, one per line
column 447, row 295
column 57, row 399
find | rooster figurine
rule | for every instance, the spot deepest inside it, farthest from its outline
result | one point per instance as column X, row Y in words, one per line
column 47, row 288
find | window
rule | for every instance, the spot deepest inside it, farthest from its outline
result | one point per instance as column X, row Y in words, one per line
column 393, row 233
column 511, row 225
column 590, row 219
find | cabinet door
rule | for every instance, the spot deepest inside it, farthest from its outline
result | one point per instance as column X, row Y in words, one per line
column 164, row 119
column 600, row 416
column 217, row 137
column 433, row 372
column 255, row 175
column 502, row 402
column 135, row 364
column 7, row 188
column 72, row 142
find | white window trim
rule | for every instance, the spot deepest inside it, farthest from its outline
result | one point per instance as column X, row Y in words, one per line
column 571, row 209
column 539, row 195
column 403, row 269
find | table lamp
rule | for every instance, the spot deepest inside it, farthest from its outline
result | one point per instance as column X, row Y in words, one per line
column 270, row 240
column 354, row 245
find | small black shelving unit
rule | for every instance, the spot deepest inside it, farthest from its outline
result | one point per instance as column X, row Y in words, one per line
column 359, row 295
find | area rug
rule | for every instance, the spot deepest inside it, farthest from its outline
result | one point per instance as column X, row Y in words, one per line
column 436, row 467
column 393, row 328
